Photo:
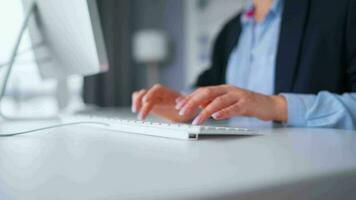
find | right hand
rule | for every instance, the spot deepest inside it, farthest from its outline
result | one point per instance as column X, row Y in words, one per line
column 159, row 100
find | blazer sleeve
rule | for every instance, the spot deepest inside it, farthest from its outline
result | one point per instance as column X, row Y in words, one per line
column 223, row 45
column 351, row 45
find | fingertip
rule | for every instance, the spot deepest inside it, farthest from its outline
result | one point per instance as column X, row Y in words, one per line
column 145, row 110
column 133, row 109
column 216, row 116
column 197, row 121
column 180, row 104
column 140, row 116
column 179, row 99
column 177, row 107
column 148, row 97
column 134, row 94
column 143, row 113
column 181, row 113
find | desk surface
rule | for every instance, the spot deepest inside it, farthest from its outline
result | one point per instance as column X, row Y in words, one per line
column 86, row 162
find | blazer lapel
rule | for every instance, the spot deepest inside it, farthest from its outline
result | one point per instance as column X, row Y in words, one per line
column 290, row 40
column 231, row 40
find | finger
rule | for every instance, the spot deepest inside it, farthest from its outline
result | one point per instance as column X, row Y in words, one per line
column 231, row 111
column 133, row 98
column 203, row 106
column 181, row 102
column 146, row 109
column 200, row 98
column 137, row 99
column 216, row 105
column 179, row 99
column 153, row 94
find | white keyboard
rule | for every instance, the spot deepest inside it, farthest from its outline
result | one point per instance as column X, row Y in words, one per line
column 168, row 130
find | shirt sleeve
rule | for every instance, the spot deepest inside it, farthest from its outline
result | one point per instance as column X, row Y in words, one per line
column 324, row 110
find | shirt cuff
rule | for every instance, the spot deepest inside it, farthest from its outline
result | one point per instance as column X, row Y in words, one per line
column 297, row 108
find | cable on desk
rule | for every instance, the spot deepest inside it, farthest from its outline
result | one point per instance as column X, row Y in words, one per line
column 51, row 127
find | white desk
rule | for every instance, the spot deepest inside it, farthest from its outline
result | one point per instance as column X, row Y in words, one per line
column 82, row 162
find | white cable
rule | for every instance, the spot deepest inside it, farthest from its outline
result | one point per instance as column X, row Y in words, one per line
column 51, row 127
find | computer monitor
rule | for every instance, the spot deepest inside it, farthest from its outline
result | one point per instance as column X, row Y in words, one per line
column 67, row 39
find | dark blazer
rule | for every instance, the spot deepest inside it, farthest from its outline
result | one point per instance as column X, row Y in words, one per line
column 316, row 50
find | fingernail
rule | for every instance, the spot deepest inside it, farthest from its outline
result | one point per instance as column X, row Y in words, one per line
column 179, row 105
column 140, row 116
column 133, row 109
column 179, row 99
column 145, row 99
column 216, row 115
column 196, row 121
column 181, row 113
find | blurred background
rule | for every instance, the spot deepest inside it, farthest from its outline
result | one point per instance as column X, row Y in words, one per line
column 184, row 31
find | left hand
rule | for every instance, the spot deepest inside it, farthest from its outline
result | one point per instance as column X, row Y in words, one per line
column 225, row 101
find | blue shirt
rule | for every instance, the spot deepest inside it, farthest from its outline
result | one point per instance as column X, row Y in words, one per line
column 252, row 65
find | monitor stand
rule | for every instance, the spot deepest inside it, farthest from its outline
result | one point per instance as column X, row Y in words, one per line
column 61, row 92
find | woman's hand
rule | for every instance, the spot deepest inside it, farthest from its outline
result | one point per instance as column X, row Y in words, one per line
column 225, row 101
column 159, row 100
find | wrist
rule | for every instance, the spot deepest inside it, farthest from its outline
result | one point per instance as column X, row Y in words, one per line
column 280, row 108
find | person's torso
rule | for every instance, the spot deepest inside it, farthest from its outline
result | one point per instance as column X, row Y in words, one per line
column 310, row 55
